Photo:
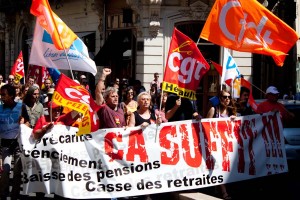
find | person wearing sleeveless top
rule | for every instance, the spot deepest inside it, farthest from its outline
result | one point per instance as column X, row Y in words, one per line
column 143, row 116
column 225, row 108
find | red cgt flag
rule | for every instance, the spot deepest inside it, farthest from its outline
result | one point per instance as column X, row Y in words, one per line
column 247, row 26
column 72, row 95
column 62, row 36
column 185, row 67
column 38, row 73
column 18, row 69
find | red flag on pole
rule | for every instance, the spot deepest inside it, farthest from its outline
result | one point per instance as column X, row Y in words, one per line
column 38, row 73
column 72, row 95
column 185, row 67
column 18, row 69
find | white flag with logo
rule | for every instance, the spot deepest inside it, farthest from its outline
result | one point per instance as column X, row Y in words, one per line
column 44, row 53
column 230, row 70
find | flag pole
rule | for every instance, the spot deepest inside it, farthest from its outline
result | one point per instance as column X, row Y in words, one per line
column 257, row 87
column 62, row 45
column 50, row 111
column 198, row 41
column 159, row 115
column 66, row 55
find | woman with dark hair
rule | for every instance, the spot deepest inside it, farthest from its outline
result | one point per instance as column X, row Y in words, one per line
column 225, row 108
column 129, row 105
column 161, row 104
column 19, row 95
column 32, row 108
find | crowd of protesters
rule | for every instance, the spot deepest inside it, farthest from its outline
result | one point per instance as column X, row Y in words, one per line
column 124, row 104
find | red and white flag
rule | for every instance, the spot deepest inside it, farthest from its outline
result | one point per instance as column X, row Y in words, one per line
column 38, row 73
column 72, row 95
column 185, row 66
column 18, row 69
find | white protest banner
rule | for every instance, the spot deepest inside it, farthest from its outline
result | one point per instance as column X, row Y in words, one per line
column 185, row 155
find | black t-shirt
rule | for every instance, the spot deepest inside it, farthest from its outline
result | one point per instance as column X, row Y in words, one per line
column 184, row 112
column 139, row 120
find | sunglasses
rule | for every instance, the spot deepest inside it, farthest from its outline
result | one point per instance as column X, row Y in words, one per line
column 225, row 97
column 11, row 79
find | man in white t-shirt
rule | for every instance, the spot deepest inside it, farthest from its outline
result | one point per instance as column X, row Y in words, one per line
column 156, row 81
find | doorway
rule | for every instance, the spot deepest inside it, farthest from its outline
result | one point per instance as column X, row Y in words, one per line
column 118, row 53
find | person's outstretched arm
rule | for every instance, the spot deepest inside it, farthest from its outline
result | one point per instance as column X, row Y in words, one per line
column 101, row 86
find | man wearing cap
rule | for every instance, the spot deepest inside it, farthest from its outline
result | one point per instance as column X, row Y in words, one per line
column 47, row 99
column 84, row 82
column 271, row 104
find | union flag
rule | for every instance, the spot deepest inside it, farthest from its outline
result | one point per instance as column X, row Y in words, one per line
column 62, row 36
column 247, row 26
column 18, row 69
column 72, row 95
column 185, row 66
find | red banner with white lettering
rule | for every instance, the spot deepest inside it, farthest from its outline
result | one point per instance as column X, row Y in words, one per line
column 185, row 66
column 18, row 69
column 72, row 95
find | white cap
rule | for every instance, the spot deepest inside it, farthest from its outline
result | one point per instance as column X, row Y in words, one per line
column 82, row 76
column 272, row 90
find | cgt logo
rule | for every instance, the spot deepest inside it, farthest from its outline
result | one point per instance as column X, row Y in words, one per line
column 20, row 66
column 244, row 26
column 189, row 68
column 79, row 94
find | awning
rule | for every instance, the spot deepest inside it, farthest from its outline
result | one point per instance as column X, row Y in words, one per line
column 114, row 47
